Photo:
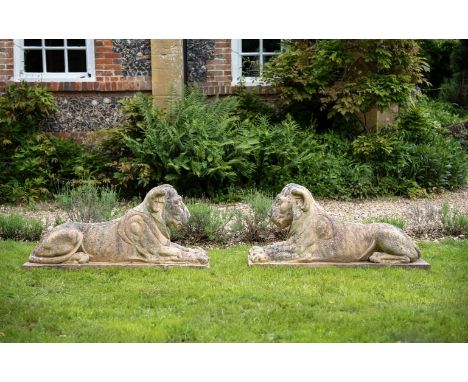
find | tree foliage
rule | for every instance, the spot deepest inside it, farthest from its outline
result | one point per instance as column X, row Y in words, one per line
column 348, row 77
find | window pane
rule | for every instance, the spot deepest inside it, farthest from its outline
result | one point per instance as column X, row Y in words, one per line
column 267, row 58
column 55, row 61
column 32, row 42
column 250, row 66
column 76, row 61
column 271, row 45
column 250, row 46
column 54, row 42
column 33, row 61
column 76, row 42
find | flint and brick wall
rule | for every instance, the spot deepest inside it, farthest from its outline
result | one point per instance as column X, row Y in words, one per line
column 123, row 67
column 218, row 69
column 110, row 76
column 6, row 63
column 210, row 68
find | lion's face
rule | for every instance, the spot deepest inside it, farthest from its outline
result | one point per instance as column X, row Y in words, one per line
column 281, row 212
column 176, row 212
column 168, row 204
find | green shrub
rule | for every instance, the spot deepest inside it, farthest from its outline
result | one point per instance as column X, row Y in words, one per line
column 33, row 163
column 88, row 202
column 197, row 146
column 397, row 221
column 22, row 108
column 17, row 227
column 203, row 149
column 455, row 89
column 254, row 225
column 455, row 222
column 348, row 77
column 42, row 162
column 207, row 224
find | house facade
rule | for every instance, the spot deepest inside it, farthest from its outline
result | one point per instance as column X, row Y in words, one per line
column 89, row 77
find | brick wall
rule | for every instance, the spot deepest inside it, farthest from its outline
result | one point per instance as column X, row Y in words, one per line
column 6, row 62
column 219, row 73
column 109, row 77
column 219, row 76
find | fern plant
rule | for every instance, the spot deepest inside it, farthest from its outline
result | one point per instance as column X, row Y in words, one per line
column 198, row 146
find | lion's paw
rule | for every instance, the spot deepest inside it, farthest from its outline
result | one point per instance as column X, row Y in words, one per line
column 258, row 255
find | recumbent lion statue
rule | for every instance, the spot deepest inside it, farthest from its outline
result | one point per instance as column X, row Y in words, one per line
column 316, row 236
column 141, row 235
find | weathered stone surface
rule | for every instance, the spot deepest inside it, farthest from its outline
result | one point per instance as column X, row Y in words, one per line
column 141, row 235
column 317, row 237
column 135, row 56
column 198, row 53
column 85, row 113
column 419, row 264
column 97, row 264
column 167, row 71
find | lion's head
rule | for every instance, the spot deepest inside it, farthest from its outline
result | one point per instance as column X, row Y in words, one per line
column 166, row 206
column 289, row 204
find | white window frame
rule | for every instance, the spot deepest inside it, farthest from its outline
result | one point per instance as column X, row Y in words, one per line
column 236, row 65
column 20, row 75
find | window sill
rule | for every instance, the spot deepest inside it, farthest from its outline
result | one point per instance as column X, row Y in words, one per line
column 81, row 78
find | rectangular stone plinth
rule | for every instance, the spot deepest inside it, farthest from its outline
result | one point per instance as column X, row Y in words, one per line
column 96, row 264
column 419, row 264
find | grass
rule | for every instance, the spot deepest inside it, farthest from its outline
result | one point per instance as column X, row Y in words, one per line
column 233, row 303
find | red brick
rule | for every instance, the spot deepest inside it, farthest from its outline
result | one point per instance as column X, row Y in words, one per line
column 103, row 61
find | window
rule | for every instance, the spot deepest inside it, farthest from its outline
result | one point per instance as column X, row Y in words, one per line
column 249, row 58
column 54, row 60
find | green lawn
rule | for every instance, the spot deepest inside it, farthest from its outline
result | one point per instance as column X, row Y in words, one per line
column 233, row 303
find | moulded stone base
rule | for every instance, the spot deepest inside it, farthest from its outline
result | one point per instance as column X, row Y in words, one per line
column 420, row 264
column 97, row 264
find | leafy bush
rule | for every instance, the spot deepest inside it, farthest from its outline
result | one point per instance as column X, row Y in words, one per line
column 22, row 108
column 206, row 224
column 455, row 89
column 42, row 162
column 196, row 145
column 34, row 163
column 254, row 225
column 88, row 203
column 348, row 77
column 455, row 222
column 202, row 148
column 17, row 227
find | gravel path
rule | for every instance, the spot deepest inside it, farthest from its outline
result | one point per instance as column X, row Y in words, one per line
column 420, row 215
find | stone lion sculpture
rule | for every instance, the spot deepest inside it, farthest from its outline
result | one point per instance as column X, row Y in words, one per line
column 316, row 236
column 141, row 235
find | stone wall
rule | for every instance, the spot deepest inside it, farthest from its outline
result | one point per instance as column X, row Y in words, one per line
column 80, row 113
column 135, row 56
column 198, row 53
